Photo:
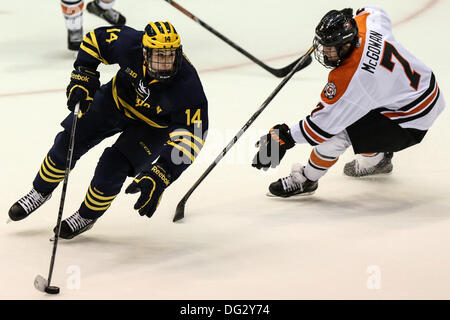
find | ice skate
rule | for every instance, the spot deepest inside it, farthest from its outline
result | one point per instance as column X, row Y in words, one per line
column 74, row 39
column 379, row 163
column 111, row 16
column 74, row 225
column 27, row 204
column 294, row 184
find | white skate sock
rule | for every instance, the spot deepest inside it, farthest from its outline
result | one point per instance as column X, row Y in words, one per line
column 368, row 161
column 105, row 4
column 73, row 13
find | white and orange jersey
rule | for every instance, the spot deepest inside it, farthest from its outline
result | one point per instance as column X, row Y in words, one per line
column 380, row 74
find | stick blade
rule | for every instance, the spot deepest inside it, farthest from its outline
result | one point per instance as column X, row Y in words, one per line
column 179, row 212
column 281, row 73
column 40, row 283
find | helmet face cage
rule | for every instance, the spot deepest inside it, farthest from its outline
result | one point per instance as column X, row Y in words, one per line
column 324, row 55
column 162, row 50
column 163, row 64
column 334, row 32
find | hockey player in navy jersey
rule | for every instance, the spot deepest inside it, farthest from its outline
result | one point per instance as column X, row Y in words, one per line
column 155, row 103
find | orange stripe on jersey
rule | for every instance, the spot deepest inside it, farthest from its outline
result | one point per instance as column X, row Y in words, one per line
column 320, row 162
column 72, row 10
column 311, row 133
column 417, row 109
column 342, row 75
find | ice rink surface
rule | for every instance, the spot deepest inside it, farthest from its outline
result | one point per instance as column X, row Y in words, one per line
column 378, row 238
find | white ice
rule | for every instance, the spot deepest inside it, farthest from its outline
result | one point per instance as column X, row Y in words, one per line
column 380, row 238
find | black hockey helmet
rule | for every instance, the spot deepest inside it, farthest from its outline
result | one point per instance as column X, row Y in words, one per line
column 162, row 47
column 336, row 29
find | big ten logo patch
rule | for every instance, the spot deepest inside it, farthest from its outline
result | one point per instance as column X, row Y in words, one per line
column 131, row 72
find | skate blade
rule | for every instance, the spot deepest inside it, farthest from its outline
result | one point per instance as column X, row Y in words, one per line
column 52, row 239
column 373, row 175
column 299, row 195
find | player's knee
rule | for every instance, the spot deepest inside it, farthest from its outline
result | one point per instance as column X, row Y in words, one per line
column 61, row 145
column 112, row 168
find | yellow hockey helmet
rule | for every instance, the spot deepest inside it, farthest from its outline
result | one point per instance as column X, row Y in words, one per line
column 161, row 35
column 162, row 50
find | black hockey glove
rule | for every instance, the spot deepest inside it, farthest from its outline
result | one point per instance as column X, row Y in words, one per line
column 272, row 147
column 82, row 87
column 151, row 184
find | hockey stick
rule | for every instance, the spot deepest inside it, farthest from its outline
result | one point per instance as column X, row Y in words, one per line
column 40, row 282
column 280, row 73
column 179, row 213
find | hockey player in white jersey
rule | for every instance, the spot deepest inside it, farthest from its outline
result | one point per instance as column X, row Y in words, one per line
column 73, row 15
column 379, row 99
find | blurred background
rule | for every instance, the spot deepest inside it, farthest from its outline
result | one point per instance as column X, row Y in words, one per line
column 379, row 238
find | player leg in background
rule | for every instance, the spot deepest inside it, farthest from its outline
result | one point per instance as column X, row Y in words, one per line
column 99, row 123
column 135, row 149
column 375, row 138
column 73, row 15
column 303, row 180
column 104, row 9
column 366, row 164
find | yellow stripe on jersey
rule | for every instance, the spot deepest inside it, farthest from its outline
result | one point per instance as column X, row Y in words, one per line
column 116, row 99
column 51, row 161
column 51, row 167
column 88, row 40
column 181, row 133
column 114, row 91
column 189, row 143
column 99, row 203
column 47, row 179
column 95, row 208
column 129, row 111
column 184, row 150
column 93, row 54
column 96, row 195
column 89, row 51
column 96, row 202
column 48, row 173
column 92, row 41
column 139, row 115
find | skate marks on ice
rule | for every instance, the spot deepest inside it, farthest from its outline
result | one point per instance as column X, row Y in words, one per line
column 378, row 196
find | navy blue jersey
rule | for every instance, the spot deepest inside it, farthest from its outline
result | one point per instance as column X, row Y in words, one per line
column 178, row 106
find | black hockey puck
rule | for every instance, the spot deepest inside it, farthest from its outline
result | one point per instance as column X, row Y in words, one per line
column 52, row 290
